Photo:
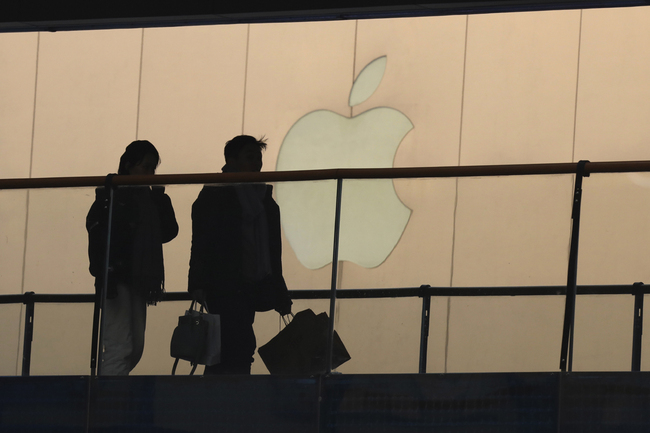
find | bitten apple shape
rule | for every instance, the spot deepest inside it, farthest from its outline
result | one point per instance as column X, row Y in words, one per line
column 372, row 216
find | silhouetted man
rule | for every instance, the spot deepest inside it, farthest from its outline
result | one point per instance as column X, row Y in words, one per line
column 236, row 261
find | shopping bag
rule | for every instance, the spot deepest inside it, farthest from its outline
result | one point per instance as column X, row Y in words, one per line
column 301, row 347
column 197, row 339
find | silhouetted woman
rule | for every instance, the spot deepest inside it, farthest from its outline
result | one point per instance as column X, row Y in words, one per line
column 143, row 220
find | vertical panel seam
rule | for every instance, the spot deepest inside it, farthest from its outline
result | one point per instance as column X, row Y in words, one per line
column 575, row 107
column 462, row 92
column 31, row 151
column 21, row 323
column 354, row 61
column 339, row 276
column 137, row 111
column 243, row 110
column 453, row 230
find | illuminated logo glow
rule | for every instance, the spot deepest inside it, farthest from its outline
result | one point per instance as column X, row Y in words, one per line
column 372, row 216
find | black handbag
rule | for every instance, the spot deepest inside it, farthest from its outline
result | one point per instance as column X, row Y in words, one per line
column 301, row 347
column 189, row 339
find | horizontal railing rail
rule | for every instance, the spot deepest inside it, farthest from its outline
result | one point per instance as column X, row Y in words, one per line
column 425, row 292
column 374, row 293
column 330, row 174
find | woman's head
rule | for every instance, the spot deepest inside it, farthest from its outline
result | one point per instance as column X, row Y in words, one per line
column 140, row 157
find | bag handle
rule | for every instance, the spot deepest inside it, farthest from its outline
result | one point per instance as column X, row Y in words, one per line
column 193, row 308
column 176, row 365
column 285, row 320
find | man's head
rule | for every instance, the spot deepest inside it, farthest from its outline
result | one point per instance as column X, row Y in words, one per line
column 244, row 153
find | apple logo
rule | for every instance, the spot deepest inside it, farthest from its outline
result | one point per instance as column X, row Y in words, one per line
column 372, row 216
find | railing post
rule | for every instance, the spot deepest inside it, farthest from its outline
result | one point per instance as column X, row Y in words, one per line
column 424, row 330
column 566, row 355
column 95, row 342
column 637, row 336
column 335, row 260
column 97, row 348
column 29, row 332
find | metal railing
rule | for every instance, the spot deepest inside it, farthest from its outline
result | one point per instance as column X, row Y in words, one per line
column 638, row 290
column 580, row 170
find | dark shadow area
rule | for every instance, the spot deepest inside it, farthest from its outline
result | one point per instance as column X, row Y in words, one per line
column 606, row 402
column 42, row 15
column 40, row 404
column 204, row 404
column 479, row 402
column 504, row 402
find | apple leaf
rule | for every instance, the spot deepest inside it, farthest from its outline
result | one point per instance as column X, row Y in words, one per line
column 367, row 81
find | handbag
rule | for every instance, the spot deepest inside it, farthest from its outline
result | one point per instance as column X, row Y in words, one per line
column 197, row 338
column 301, row 347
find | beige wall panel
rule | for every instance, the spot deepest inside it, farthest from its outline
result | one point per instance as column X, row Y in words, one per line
column 192, row 94
column 18, row 72
column 519, row 100
column 423, row 80
column 615, row 229
column 612, row 125
column 512, row 231
column 86, row 102
column 12, row 235
column 13, row 205
column 381, row 335
column 603, row 333
column 293, row 69
column 62, row 339
column 12, row 245
column 614, row 89
column 502, row 334
column 11, row 339
column 56, row 258
column 509, row 231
